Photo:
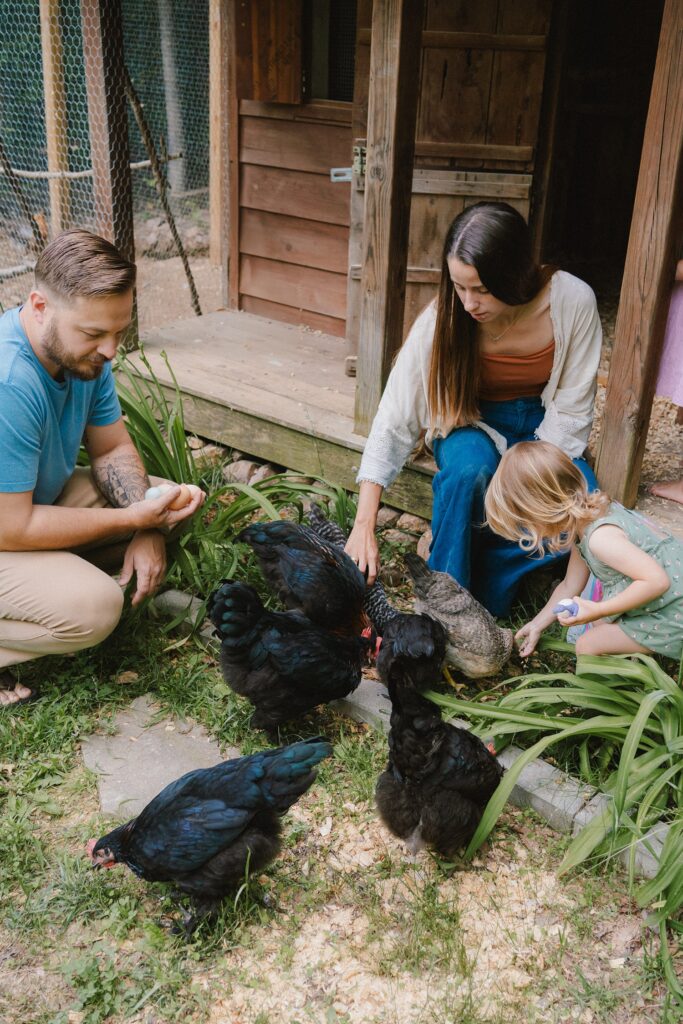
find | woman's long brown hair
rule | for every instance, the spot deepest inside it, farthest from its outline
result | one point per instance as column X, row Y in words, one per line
column 494, row 239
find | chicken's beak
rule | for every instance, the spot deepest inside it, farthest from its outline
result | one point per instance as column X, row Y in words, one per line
column 100, row 859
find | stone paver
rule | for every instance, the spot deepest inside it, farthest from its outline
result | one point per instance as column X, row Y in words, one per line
column 596, row 805
column 648, row 850
column 369, row 703
column 552, row 793
column 144, row 755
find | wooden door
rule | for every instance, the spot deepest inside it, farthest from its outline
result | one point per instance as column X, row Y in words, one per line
column 481, row 85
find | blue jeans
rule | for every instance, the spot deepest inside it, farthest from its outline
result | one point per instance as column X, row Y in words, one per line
column 490, row 567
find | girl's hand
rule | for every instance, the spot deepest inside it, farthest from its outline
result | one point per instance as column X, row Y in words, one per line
column 361, row 547
column 588, row 611
column 527, row 637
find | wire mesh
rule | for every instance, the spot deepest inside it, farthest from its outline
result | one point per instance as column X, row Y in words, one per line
column 72, row 153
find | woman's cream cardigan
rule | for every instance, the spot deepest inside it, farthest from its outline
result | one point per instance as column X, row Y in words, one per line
column 568, row 397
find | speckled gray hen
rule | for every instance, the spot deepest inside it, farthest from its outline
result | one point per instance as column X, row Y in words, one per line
column 476, row 645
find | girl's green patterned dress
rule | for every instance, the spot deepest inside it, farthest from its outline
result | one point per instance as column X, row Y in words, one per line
column 659, row 623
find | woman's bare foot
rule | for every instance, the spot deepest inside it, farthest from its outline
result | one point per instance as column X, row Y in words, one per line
column 12, row 692
column 671, row 489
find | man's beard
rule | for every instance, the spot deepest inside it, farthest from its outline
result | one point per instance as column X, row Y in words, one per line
column 87, row 368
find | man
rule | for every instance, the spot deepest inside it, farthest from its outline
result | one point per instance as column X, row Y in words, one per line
column 56, row 392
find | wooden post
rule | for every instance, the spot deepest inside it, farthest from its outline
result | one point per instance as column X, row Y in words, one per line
column 56, row 128
column 219, row 190
column 392, row 112
column 175, row 128
column 545, row 150
column 656, row 235
column 238, row 19
column 108, row 123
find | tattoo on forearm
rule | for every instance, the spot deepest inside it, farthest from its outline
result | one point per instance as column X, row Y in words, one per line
column 121, row 478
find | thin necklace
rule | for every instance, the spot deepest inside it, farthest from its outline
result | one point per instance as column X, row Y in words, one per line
column 503, row 333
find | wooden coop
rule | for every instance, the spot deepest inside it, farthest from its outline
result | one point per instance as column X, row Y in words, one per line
column 344, row 139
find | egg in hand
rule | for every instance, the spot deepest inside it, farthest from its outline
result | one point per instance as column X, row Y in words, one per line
column 180, row 501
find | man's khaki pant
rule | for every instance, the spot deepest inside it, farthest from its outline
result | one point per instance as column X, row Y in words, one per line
column 55, row 602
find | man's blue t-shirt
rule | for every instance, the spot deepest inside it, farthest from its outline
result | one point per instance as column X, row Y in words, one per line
column 42, row 421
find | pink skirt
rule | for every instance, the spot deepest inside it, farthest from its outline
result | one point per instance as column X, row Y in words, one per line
column 670, row 379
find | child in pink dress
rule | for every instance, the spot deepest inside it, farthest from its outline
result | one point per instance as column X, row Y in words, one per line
column 670, row 381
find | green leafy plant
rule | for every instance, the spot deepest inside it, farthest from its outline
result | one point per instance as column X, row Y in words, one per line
column 630, row 707
column 156, row 422
column 205, row 552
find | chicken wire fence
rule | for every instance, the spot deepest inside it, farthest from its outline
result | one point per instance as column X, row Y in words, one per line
column 73, row 77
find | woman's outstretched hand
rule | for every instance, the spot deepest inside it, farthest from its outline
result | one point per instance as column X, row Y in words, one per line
column 361, row 547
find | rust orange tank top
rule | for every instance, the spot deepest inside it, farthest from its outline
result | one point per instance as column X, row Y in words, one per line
column 503, row 378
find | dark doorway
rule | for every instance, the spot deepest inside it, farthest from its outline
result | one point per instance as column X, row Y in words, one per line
column 607, row 53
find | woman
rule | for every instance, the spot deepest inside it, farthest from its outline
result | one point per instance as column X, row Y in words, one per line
column 507, row 352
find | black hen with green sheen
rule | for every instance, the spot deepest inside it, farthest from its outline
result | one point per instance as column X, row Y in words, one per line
column 309, row 574
column 205, row 829
column 439, row 778
column 280, row 661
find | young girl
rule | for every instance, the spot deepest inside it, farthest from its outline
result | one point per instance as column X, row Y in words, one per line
column 539, row 499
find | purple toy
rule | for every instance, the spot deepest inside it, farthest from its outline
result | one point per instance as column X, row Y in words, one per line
column 566, row 605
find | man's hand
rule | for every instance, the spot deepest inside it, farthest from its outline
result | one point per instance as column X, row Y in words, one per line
column 146, row 559
column 156, row 513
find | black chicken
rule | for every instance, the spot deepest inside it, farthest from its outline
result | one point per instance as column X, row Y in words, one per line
column 206, row 829
column 309, row 574
column 439, row 778
column 280, row 661
column 375, row 602
column 415, row 643
column 413, row 648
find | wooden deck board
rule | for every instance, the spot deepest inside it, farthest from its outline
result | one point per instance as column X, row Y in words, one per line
column 276, row 391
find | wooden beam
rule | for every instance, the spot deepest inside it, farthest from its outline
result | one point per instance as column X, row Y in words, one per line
column 468, row 183
column 176, row 136
column 56, row 128
column 654, row 241
column 233, row 99
column 474, row 41
column 548, row 125
column 219, row 183
column 392, row 115
column 474, row 151
column 108, row 122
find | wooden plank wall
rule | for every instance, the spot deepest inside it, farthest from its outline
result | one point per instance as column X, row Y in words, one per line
column 293, row 233
column 294, row 221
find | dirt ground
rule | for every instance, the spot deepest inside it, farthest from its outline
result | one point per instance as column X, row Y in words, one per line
column 353, row 932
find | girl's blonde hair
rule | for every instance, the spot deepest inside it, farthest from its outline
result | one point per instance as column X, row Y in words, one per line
column 540, row 499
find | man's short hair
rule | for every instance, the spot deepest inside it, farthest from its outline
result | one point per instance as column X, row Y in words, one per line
column 78, row 263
